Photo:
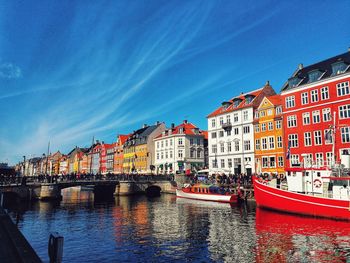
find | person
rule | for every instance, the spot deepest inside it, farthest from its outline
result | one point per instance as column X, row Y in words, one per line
column 278, row 181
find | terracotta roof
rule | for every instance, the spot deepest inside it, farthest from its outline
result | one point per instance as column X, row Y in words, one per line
column 324, row 68
column 122, row 138
column 230, row 107
column 275, row 99
column 188, row 129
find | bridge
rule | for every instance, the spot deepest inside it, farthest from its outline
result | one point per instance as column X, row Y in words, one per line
column 49, row 188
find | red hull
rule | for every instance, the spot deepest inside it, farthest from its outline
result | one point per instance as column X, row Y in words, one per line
column 277, row 199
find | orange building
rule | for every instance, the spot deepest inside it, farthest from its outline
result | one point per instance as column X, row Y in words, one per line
column 118, row 156
column 268, row 134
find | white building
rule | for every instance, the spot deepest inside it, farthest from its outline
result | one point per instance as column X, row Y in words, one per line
column 231, row 134
column 180, row 148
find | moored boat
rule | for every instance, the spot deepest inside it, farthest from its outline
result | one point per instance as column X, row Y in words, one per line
column 331, row 198
column 206, row 193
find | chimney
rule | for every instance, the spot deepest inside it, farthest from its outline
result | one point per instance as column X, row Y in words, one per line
column 97, row 141
column 300, row 66
column 157, row 123
column 267, row 83
column 144, row 125
column 173, row 125
column 103, row 142
column 185, row 121
column 349, row 49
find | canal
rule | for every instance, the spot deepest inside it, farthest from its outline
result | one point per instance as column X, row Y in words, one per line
column 166, row 229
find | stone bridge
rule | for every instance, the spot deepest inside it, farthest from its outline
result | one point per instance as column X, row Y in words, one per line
column 101, row 188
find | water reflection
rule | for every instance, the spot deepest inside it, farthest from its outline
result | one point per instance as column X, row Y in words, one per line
column 139, row 229
column 291, row 238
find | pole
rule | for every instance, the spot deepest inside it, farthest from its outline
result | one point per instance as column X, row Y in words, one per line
column 92, row 147
column 47, row 157
column 333, row 139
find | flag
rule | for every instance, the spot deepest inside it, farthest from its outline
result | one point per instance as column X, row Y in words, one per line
column 288, row 151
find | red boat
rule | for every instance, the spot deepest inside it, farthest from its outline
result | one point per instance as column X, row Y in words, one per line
column 331, row 197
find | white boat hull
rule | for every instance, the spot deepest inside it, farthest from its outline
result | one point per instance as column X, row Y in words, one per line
column 207, row 197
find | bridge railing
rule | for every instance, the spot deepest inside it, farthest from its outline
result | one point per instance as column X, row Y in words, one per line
column 23, row 180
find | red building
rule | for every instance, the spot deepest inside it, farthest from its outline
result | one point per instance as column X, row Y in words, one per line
column 106, row 150
column 316, row 116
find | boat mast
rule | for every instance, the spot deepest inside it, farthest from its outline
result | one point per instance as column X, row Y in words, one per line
column 333, row 141
column 92, row 147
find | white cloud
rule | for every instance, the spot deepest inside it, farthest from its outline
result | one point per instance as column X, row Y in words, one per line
column 10, row 71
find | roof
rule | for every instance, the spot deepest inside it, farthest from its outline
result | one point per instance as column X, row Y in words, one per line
column 324, row 66
column 275, row 99
column 140, row 136
column 229, row 106
column 186, row 128
column 122, row 138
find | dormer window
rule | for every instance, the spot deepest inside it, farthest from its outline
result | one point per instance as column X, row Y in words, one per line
column 181, row 130
column 339, row 67
column 225, row 104
column 236, row 102
column 249, row 98
column 293, row 82
column 315, row 75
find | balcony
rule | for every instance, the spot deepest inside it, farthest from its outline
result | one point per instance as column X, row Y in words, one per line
column 226, row 126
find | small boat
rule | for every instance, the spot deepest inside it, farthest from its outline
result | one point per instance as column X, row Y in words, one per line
column 206, row 193
column 329, row 196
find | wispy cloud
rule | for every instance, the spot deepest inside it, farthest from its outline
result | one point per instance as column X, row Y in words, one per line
column 10, row 71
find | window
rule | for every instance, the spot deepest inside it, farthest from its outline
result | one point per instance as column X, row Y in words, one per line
column 318, row 137
column 198, row 154
column 271, row 142
column 316, row 116
column 229, row 163
column 229, row 147
column 214, row 148
column 162, row 155
column 228, row 119
column 257, row 144
column 269, row 112
column 278, row 124
column 294, row 159
column 290, row 102
column 166, row 155
column 292, row 121
column 180, row 154
column 221, row 133
column 235, row 117
column 222, row 147
column 213, row 135
column 236, row 146
column 191, row 141
column 212, row 123
column 304, row 98
column 158, row 145
column 228, row 132
column 328, row 136
column 265, row 162
column 247, row 145
column 324, row 93
column 257, row 128
column 329, row 157
column 270, row 126
column 180, row 142
column 307, row 161
column 157, row 156
column 171, row 154
column 306, row 118
column 171, row 142
column 344, row 111
column 199, row 141
column 319, row 159
column 246, row 129
column 272, row 161
column 263, row 127
column 293, row 139
column 256, row 114
column 314, row 95
column 245, row 115
column 236, row 131
column 279, row 142
column 166, row 143
column 222, row 163
column 262, row 113
column 215, row 163
column 343, row 89
column 264, row 143
column 280, row 161
column 345, row 134
column 307, row 139
column 221, row 120
column 278, row 110
column 326, row 113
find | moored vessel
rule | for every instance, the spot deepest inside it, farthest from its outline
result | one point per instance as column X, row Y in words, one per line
column 207, row 193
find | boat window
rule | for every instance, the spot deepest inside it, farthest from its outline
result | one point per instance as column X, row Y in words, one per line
column 294, row 174
column 307, row 173
column 318, row 174
column 288, row 174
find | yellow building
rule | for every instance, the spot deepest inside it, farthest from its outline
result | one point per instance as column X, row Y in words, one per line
column 268, row 134
column 139, row 149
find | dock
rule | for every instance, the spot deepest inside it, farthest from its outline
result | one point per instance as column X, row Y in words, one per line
column 13, row 245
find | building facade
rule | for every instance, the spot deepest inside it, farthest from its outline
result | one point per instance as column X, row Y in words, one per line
column 179, row 149
column 231, row 134
column 316, row 116
column 119, row 155
column 268, row 134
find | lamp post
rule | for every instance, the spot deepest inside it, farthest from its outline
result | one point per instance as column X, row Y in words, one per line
column 24, row 165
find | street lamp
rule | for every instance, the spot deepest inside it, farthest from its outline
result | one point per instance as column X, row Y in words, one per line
column 24, row 165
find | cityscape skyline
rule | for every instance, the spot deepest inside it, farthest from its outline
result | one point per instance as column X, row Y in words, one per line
column 71, row 71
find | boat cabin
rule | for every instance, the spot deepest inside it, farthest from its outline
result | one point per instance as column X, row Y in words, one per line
column 340, row 187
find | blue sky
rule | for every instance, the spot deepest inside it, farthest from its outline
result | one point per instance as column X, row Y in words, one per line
column 71, row 70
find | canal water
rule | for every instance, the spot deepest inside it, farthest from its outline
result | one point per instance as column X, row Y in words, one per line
column 166, row 229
